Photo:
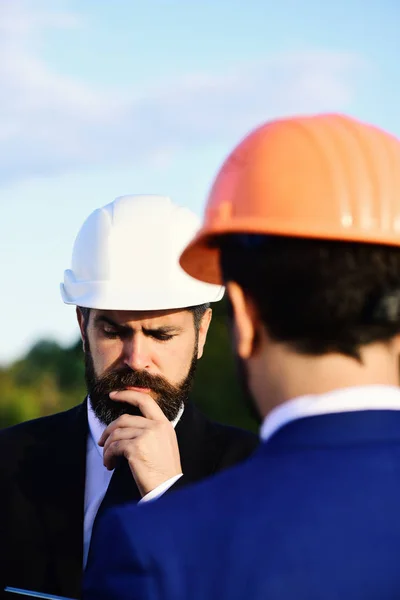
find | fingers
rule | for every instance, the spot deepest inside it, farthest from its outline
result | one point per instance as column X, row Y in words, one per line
column 120, row 434
column 146, row 404
column 121, row 423
column 149, row 446
column 117, row 448
column 114, row 451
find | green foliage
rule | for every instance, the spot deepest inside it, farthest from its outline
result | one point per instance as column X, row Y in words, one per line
column 216, row 389
column 51, row 378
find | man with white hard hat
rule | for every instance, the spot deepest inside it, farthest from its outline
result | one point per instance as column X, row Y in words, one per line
column 143, row 324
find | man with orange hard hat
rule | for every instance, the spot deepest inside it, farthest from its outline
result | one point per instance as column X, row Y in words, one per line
column 303, row 227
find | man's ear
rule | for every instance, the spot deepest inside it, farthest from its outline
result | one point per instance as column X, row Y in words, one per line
column 82, row 326
column 203, row 330
column 396, row 343
column 244, row 320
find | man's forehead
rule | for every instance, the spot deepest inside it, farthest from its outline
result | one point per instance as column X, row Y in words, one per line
column 145, row 318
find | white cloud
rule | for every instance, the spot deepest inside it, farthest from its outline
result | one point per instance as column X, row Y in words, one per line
column 50, row 122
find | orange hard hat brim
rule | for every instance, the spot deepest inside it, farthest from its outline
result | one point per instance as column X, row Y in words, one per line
column 201, row 258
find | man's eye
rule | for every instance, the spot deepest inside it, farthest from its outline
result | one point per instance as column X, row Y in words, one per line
column 110, row 333
column 162, row 337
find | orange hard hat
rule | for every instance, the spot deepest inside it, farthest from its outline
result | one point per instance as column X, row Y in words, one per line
column 325, row 176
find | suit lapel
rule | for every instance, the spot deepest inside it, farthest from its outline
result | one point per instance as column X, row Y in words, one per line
column 195, row 444
column 59, row 484
column 66, row 504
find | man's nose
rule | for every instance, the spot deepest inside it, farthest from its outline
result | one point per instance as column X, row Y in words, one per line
column 136, row 354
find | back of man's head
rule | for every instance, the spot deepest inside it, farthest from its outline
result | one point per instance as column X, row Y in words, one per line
column 318, row 296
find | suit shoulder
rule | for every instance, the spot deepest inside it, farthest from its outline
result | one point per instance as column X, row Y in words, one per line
column 232, row 443
column 39, row 428
column 235, row 435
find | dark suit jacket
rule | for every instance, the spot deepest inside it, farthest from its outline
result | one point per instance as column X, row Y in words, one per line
column 313, row 515
column 42, row 475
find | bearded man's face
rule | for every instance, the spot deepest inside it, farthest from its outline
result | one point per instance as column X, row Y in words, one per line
column 154, row 352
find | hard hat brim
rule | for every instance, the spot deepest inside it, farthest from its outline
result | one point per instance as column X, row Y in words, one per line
column 103, row 296
column 201, row 258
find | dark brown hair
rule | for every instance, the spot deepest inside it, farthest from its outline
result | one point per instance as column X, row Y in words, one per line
column 318, row 296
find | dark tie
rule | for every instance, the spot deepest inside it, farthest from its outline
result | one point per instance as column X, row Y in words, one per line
column 122, row 488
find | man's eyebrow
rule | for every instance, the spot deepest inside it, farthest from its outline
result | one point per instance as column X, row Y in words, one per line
column 164, row 329
column 103, row 319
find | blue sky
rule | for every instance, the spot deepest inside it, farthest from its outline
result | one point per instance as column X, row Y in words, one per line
column 100, row 99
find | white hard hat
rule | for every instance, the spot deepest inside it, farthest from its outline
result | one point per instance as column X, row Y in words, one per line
column 126, row 257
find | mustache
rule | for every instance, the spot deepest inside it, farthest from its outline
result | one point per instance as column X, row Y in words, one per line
column 168, row 396
column 124, row 377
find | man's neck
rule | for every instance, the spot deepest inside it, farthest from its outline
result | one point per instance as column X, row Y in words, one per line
column 300, row 375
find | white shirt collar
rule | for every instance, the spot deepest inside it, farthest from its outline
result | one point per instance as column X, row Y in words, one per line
column 372, row 397
column 96, row 428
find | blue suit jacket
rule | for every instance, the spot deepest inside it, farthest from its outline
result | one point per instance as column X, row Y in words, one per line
column 314, row 515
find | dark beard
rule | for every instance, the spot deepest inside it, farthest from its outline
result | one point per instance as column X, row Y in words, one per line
column 168, row 397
